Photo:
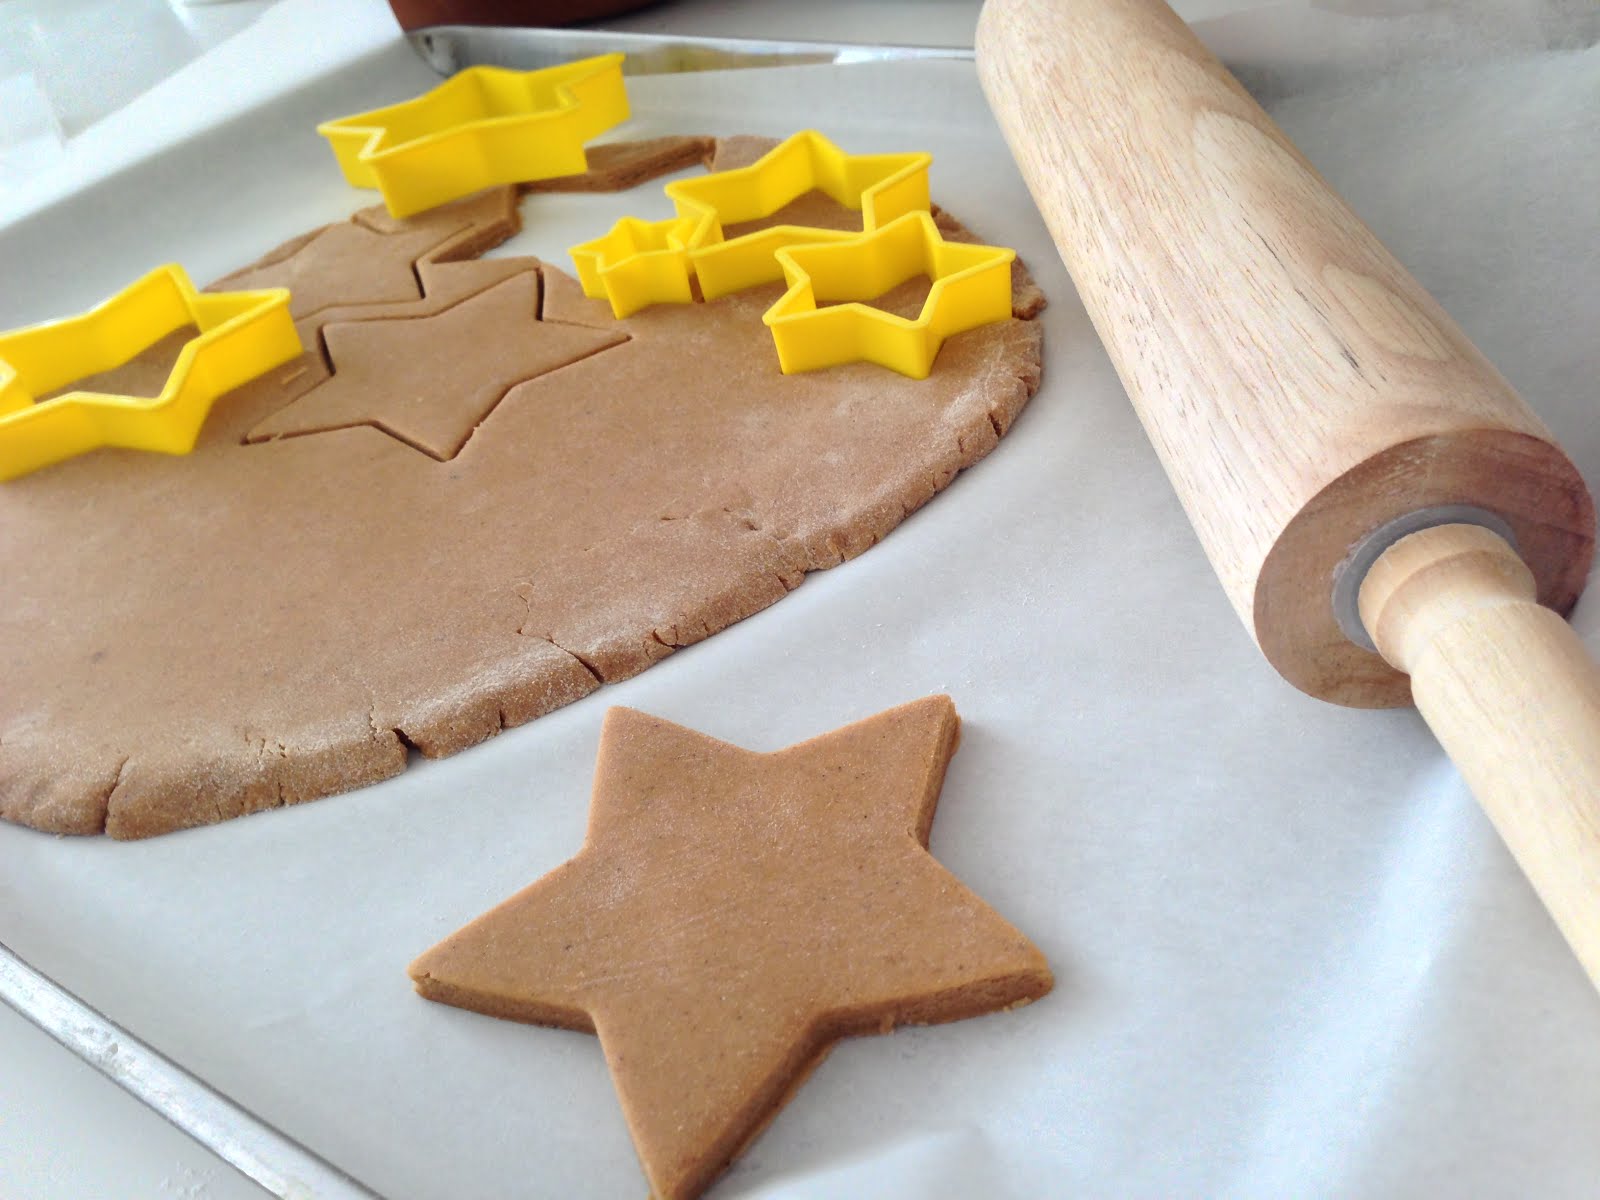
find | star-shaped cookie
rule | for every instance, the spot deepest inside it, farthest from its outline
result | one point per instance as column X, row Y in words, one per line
column 731, row 915
column 460, row 363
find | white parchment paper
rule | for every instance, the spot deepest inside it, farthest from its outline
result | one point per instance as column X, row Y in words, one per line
column 1292, row 957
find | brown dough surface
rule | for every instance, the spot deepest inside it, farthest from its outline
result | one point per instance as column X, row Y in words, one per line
column 460, row 362
column 616, row 166
column 336, row 574
column 731, row 915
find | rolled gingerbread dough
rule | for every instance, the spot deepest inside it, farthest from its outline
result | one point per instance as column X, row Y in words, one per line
column 475, row 498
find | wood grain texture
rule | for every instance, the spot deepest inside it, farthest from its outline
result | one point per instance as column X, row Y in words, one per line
column 1300, row 388
column 1513, row 697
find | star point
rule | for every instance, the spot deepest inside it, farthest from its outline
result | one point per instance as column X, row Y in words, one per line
column 732, row 914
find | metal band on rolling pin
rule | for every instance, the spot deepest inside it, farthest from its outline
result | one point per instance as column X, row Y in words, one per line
column 1352, row 572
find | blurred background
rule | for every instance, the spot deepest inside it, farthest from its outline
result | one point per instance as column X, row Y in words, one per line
column 66, row 64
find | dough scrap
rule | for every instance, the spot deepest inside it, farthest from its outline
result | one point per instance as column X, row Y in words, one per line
column 618, row 166
column 732, row 915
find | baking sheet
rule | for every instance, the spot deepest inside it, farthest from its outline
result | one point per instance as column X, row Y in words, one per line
column 1292, row 957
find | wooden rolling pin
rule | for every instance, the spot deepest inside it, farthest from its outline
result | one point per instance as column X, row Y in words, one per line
column 1356, row 469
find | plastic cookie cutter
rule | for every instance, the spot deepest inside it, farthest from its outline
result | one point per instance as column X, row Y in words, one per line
column 881, row 187
column 971, row 286
column 483, row 126
column 241, row 335
column 637, row 264
column 640, row 263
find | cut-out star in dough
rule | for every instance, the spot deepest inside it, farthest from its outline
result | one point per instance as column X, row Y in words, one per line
column 460, row 363
column 732, row 915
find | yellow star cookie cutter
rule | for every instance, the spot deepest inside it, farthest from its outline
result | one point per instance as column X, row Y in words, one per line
column 637, row 264
column 481, row 127
column 640, row 263
column 971, row 286
column 881, row 187
column 242, row 334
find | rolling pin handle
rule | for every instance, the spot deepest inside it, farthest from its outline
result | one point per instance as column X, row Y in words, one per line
column 1511, row 693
